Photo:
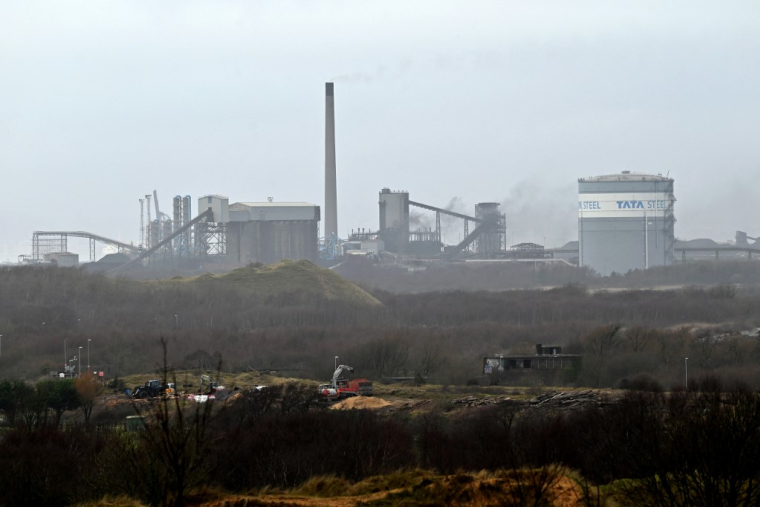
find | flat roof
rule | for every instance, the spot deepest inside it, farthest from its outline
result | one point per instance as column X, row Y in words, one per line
column 276, row 204
column 627, row 176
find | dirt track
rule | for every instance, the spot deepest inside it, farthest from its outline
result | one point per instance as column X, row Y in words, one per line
column 462, row 490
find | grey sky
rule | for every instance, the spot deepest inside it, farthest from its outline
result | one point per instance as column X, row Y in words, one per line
column 102, row 102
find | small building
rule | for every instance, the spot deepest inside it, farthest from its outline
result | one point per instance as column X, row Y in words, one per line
column 63, row 259
column 373, row 247
column 547, row 357
column 218, row 204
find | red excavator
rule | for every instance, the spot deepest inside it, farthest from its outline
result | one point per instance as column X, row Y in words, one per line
column 340, row 388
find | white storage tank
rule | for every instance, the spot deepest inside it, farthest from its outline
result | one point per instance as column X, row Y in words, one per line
column 625, row 222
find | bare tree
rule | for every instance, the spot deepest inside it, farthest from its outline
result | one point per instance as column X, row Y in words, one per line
column 638, row 338
column 175, row 436
column 602, row 340
column 88, row 389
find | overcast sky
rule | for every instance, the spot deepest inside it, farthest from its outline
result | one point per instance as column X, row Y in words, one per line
column 101, row 102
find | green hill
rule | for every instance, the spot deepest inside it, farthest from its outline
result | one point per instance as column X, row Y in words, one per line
column 300, row 279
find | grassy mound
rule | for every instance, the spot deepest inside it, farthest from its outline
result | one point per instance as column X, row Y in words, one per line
column 291, row 280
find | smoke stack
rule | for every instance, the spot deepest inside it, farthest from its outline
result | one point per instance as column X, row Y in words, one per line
column 331, row 185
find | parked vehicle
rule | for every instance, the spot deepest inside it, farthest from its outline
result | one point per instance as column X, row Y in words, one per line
column 340, row 388
column 153, row 389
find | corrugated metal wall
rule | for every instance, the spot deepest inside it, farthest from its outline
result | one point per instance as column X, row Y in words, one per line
column 272, row 241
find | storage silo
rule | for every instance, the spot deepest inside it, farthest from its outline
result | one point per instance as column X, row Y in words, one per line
column 625, row 222
column 394, row 220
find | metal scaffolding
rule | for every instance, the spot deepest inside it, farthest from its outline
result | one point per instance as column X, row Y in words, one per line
column 45, row 242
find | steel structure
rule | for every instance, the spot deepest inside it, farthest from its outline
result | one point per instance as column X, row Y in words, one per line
column 444, row 211
column 492, row 239
column 329, row 248
column 208, row 214
column 44, row 242
column 210, row 238
column 487, row 225
column 146, row 243
column 626, row 221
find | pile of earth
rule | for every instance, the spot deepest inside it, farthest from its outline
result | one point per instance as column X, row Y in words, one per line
column 360, row 402
column 299, row 280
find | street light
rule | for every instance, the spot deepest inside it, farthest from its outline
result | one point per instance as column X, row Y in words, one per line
column 1, row 345
column 686, row 362
column 79, row 366
column 88, row 354
column 336, row 362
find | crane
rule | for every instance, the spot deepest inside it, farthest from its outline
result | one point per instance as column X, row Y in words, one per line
column 339, row 387
column 338, row 372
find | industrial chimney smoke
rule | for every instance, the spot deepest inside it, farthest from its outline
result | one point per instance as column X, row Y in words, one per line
column 331, row 186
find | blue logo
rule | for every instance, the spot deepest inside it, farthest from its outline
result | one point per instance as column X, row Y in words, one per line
column 630, row 204
column 640, row 204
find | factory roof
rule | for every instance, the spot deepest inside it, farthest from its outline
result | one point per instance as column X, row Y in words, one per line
column 273, row 204
column 628, row 176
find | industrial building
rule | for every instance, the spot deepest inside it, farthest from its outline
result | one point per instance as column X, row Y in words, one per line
column 271, row 231
column 63, row 259
column 549, row 364
column 487, row 239
column 238, row 233
column 394, row 220
column 625, row 222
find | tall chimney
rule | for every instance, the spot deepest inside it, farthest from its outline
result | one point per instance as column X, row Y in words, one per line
column 331, row 185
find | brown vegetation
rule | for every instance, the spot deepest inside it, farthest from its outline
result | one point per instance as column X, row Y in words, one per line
column 439, row 336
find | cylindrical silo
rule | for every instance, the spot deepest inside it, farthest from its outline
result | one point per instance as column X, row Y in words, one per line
column 168, row 229
column 625, row 222
column 177, row 208
column 155, row 233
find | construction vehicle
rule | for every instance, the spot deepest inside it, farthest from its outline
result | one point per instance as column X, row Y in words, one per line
column 152, row 389
column 340, row 388
column 213, row 391
column 213, row 386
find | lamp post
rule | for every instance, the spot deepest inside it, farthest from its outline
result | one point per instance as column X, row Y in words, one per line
column 1, row 345
column 686, row 363
column 79, row 366
column 88, row 354
column 65, row 355
column 336, row 362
